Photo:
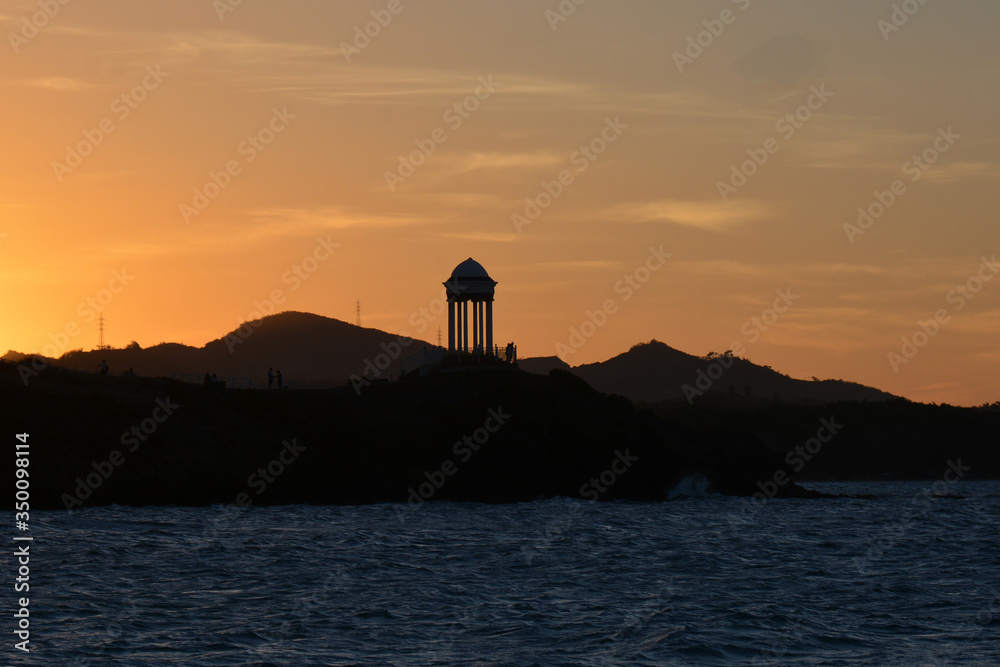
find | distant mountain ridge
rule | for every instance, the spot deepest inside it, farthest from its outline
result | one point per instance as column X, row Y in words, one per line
column 310, row 350
column 652, row 372
column 316, row 351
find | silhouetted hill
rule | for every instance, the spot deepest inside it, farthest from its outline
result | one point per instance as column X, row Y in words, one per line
column 542, row 365
column 316, row 351
column 653, row 371
column 895, row 439
column 498, row 435
column 310, row 350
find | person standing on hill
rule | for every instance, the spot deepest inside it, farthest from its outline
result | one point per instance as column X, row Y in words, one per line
column 270, row 377
column 279, row 378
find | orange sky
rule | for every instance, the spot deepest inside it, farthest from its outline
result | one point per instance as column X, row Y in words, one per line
column 302, row 132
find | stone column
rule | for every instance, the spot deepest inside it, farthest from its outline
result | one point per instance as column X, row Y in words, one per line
column 451, row 325
column 465, row 326
column 482, row 326
column 489, row 326
column 475, row 326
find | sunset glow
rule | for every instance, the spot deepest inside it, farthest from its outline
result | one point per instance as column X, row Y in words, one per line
column 816, row 182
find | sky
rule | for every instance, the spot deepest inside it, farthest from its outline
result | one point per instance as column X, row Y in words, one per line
column 690, row 172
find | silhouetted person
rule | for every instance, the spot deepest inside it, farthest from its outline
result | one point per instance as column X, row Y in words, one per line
column 208, row 378
column 278, row 374
column 510, row 352
column 130, row 373
column 103, row 367
column 270, row 377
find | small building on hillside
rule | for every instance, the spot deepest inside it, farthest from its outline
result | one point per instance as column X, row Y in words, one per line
column 469, row 291
column 470, row 288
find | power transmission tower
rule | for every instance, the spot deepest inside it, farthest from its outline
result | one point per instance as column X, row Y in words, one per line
column 100, row 332
column 357, row 310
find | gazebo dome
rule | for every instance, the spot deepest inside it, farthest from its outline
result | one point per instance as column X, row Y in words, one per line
column 470, row 301
column 470, row 269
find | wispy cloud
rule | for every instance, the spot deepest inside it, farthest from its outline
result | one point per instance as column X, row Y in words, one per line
column 486, row 237
column 848, row 142
column 586, row 264
column 722, row 267
column 255, row 227
column 61, row 84
column 701, row 214
column 282, row 222
column 466, row 162
column 963, row 171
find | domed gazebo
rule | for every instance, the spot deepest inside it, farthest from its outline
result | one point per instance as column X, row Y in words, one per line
column 470, row 284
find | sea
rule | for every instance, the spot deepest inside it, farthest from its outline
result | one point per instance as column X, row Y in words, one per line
column 903, row 576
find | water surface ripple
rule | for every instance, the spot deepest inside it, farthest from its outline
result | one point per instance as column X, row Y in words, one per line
column 901, row 579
